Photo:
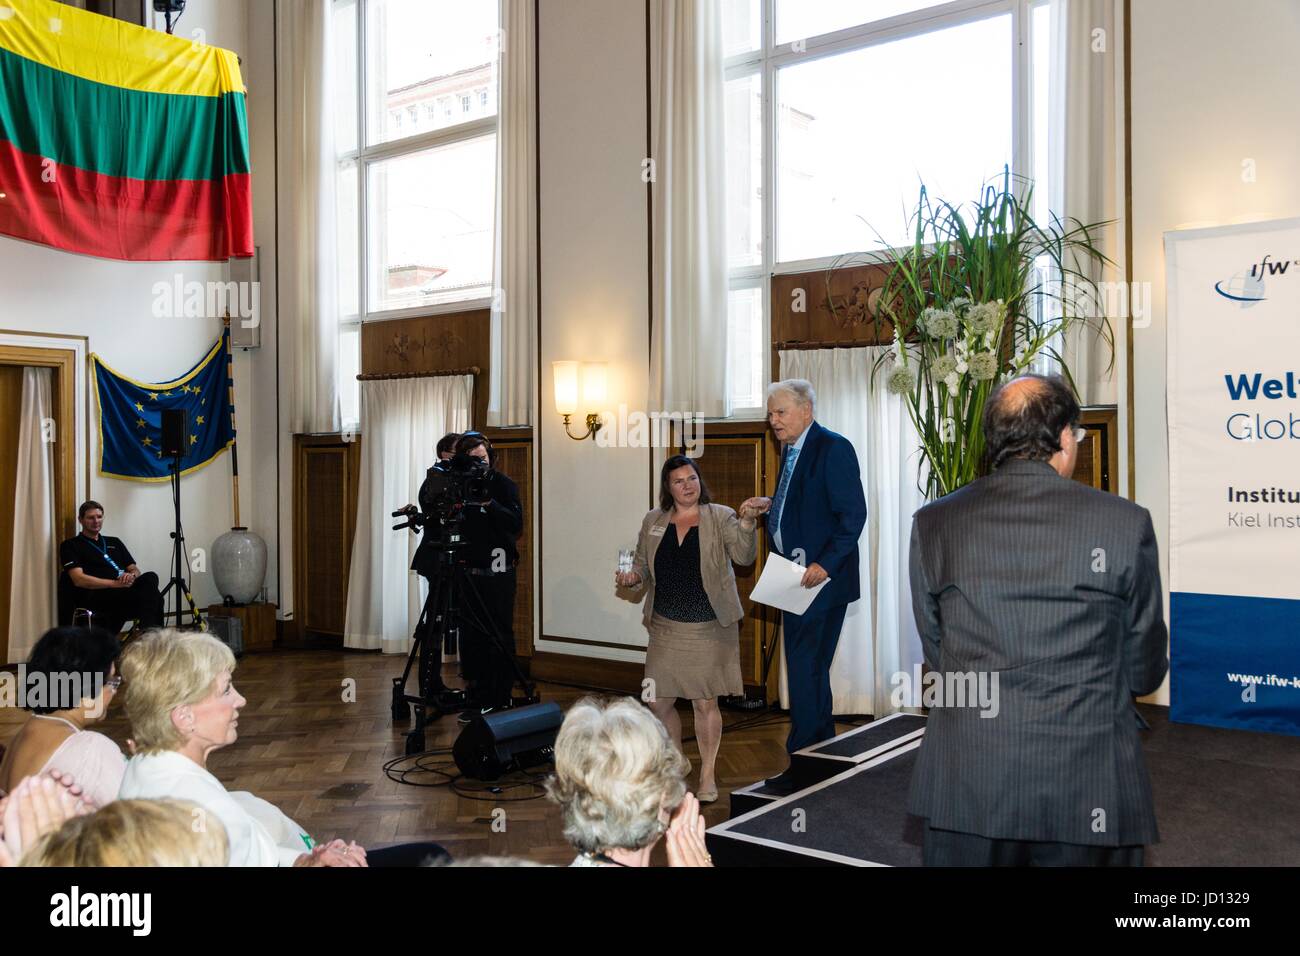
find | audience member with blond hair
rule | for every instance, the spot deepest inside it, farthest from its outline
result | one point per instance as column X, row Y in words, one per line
column 620, row 782
column 183, row 706
column 135, row 833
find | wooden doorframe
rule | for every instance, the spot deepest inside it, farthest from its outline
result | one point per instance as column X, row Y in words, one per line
column 64, row 363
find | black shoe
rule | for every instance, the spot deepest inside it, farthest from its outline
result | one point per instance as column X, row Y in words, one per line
column 783, row 784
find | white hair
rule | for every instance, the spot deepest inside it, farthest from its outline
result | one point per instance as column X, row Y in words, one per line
column 615, row 769
column 800, row 389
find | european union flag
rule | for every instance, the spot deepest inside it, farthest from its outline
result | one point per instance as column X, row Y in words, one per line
column 130, row 417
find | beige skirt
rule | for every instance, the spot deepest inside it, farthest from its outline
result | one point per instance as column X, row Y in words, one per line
column 693, row 660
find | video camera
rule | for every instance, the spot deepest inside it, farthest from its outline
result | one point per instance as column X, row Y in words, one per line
column 448, row 487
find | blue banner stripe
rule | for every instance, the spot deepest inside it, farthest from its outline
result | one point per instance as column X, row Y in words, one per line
column 1235, row 662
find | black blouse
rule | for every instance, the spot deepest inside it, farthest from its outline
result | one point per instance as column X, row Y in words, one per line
column 679, row 588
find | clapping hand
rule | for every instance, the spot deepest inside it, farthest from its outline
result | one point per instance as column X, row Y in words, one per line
column 38, row 805
column 68, row 782
column 334, row 853
column 685, row 837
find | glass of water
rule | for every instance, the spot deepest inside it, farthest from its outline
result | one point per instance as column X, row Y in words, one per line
column 625, row 560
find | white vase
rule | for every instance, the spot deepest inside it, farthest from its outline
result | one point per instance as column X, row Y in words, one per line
column 239, row 565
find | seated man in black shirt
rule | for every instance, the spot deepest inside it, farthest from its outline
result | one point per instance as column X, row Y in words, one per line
column 105, row 578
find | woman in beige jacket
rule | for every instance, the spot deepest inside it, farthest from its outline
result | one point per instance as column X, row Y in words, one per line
column 692, row 609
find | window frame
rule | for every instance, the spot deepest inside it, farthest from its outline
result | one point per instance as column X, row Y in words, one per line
column 358, row 162
column 770, row 57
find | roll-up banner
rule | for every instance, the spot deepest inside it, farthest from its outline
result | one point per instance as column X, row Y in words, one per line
column 1234, row 475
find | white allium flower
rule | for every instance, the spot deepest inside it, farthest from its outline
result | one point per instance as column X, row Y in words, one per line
column 938, row 323
column 943, row 366
column 952, row 381
column 900, row 380
column 985, row 317
column 983, row 366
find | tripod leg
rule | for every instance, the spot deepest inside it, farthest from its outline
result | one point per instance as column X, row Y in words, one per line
column 415, row 739
column 400, row 709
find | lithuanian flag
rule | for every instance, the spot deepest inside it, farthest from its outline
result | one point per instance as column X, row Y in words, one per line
column 120, row 141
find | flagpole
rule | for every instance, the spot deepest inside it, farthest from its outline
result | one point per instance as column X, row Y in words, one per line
column 234, row 443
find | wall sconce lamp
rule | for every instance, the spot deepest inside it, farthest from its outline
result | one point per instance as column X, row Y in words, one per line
column 593, row 385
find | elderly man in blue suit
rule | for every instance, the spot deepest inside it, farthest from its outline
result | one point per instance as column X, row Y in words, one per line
column 814, row 519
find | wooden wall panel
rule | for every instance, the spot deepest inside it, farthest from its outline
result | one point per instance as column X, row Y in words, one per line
column 805, row 309
column 431, row 343
column 515, row 459
column 326, row 471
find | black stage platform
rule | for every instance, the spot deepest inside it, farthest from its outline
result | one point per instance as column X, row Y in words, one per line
column 830, row 757
column 1223, row 798
column 848, row 812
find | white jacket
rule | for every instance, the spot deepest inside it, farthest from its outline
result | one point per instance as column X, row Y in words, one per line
column 259, row 834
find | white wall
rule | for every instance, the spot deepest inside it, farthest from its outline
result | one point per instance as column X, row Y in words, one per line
column 47, row 290
column 1213, row 85
column 594, row 305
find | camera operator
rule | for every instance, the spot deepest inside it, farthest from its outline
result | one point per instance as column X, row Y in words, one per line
column 492, row 526
column 425, row 563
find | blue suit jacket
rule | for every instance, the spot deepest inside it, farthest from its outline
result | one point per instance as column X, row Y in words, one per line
column 824, row 514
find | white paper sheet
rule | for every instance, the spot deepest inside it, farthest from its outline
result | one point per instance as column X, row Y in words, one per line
column 779, row 586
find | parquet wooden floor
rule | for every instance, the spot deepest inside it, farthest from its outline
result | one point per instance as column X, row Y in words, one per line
column 320, row 759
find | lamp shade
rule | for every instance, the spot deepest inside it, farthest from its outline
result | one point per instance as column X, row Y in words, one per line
column 566, row 387
column 594, row 387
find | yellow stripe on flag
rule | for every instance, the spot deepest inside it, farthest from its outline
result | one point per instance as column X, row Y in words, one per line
column 113, row 52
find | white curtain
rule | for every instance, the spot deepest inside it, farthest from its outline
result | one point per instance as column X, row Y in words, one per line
column 404, row 418
column 688, row 354
column 879, row 638
column 1083, row 162
column 308, row 220
column 32, row 608
column 514, row 264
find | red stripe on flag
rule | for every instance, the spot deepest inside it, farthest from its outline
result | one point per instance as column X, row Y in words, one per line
column 119, row 218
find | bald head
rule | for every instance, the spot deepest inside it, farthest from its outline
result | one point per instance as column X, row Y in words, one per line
column 1032, row 417
column 1015, row 395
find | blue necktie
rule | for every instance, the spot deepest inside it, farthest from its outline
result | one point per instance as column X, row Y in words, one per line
column 778, row 502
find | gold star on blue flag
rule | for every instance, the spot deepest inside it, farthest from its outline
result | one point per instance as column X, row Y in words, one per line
column 130, row 415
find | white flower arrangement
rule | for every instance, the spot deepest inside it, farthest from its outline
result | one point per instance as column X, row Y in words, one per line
column 978, row 281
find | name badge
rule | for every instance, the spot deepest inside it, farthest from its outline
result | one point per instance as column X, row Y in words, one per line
column 658, row 531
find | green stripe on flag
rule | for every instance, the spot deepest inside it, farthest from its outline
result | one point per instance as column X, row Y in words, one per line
column 120, row 132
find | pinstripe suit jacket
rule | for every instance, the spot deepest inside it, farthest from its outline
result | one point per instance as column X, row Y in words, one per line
column 1055, row 587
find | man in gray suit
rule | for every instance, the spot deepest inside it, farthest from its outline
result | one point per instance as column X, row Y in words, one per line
column 1049, row 592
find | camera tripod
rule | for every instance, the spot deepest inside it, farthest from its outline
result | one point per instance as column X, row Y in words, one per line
column 452, row 598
